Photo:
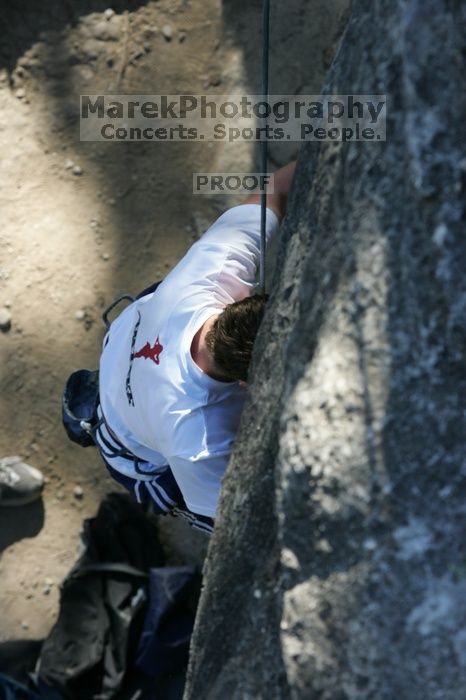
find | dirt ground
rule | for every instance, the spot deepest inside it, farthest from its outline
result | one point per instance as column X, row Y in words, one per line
column 84, row 222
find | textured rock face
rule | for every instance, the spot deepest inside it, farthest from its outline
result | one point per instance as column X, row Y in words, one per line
column 337, row 570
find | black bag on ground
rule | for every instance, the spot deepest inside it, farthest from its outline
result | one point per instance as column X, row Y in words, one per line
column 18, row 658
column 10, row 689
column 102, row 604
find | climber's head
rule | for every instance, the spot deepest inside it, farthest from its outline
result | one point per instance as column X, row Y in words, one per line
column 231, row 338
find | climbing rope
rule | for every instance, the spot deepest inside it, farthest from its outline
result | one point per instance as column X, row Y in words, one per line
column 265, row 94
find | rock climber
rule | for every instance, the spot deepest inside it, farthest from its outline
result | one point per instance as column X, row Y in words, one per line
column 174, row 366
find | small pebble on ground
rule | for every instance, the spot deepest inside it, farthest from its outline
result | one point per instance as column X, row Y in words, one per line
column 167, row 32
column 5, row 319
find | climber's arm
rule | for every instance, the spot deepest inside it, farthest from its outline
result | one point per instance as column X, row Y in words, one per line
column 277, row 199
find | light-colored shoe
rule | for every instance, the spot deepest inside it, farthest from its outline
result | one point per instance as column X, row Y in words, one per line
column 19, row 482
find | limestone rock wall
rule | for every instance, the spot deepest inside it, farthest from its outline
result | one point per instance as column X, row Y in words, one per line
column 337, row 570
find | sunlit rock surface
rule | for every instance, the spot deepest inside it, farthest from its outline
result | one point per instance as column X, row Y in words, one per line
column 337, row 570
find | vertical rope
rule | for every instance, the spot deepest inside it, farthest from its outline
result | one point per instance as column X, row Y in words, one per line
column 264, row 144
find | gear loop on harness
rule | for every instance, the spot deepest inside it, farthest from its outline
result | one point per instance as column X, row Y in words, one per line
column 115, row 303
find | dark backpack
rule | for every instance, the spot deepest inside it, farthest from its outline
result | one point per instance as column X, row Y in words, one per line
column 103, row 602
column 125, row 620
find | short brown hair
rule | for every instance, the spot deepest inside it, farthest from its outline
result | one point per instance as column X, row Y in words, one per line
column 231, row 338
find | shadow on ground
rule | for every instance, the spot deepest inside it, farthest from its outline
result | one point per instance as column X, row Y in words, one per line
column 20, row 522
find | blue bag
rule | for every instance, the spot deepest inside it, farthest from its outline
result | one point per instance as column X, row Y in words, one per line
column 11, row 690
column 79, row 406
column 169, row 621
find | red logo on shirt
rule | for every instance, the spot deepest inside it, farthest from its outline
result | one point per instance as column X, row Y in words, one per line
column 149, row 352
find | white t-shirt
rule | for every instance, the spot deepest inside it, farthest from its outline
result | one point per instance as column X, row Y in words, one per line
column 155, row 398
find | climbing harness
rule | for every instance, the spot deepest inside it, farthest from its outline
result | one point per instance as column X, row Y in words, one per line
column 123, row 297
column 264, row 144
